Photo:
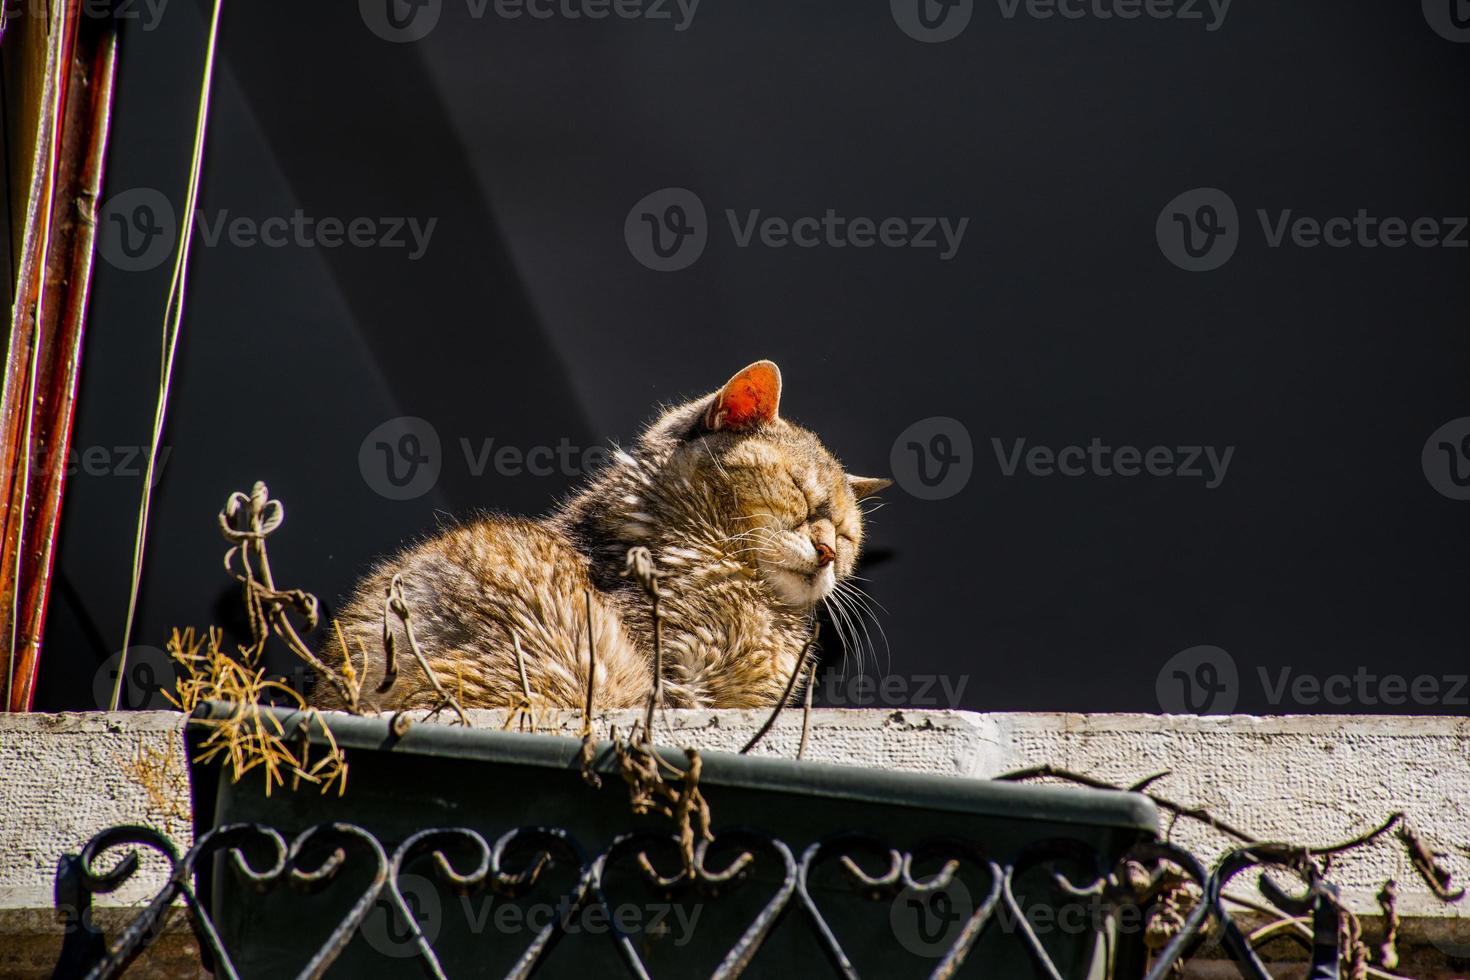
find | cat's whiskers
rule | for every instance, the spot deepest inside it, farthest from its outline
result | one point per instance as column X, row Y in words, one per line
column 864, row 605
column 847, row 630
column 748, row 538
column 757, row 536
column 863, row 643
column 861, row 594
column 847, row 621
column 833, row 617
column 762, row 546
column 758, row 549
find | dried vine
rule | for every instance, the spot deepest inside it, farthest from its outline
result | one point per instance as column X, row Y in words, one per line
column 654, row 784
column 246, row 522
column 1175, row 890
column 396, row 607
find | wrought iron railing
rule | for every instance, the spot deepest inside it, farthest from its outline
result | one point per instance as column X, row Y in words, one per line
column 1170, row 900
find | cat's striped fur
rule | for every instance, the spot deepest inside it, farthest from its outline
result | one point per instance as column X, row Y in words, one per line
column 749, row 519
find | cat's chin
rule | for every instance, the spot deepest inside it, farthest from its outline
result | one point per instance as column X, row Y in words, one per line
column 801, row 591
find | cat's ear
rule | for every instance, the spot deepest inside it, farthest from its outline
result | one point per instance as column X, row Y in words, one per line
column 747, row 400
column 866, row 486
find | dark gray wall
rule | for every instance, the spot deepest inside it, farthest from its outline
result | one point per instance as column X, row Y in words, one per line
column 1326, row 547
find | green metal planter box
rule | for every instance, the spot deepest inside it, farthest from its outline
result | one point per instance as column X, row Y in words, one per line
column 510, row 863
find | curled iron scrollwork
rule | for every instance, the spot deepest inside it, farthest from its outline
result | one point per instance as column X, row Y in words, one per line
column 1148, row 877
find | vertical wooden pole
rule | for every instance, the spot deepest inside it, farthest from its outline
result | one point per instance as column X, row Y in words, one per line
column 68, row 63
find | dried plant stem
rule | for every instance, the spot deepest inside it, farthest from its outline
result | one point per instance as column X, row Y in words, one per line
column 640, row 568
column 589, row 774
column 1388, row 901
column 390, row 646
column 351, row 681
column 1298, row 927
column 655, row 696
column 399, row 607
column 246, row 522
column 520, row 713
column 1304, row 860
column 173, row 316
column 786, row 694
column 591, row 665
column 648, row 791
column 806, row 709
column 1195, row 813
column 1427, row 864
column 521, row 666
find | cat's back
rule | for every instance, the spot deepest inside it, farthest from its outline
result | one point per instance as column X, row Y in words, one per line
column 482, row 561
column 468, row 588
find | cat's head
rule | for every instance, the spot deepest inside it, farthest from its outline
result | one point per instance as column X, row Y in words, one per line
column 764, row 490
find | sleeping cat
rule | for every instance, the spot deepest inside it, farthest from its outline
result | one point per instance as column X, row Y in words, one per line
column 750, row 521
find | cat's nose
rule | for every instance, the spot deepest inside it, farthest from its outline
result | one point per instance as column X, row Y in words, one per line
column 825, row 554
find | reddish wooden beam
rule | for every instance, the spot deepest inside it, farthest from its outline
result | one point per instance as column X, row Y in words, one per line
column 47, row 319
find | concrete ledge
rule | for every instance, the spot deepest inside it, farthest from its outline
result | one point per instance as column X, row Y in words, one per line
column 1308, row 779
column 65, row 777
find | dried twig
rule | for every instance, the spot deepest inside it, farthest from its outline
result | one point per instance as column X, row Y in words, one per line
column 806, row 709
column 1352, row 953
column 1302, row 858
column 681, row 801
column 398, row 606
column 1147, row 781
column 786, row 694
column 641, row 569
column 521, row 667
column 351, row 680
column 1299, row 928
column 639, row 763
column 589, row 774
column 1194, row 813
column 252, row 736
column 591, row 665
column 520, row 712
column 390, row 645
column 1270, row 852
column 1426, row 862
column 1388, row 901
column 246, row 522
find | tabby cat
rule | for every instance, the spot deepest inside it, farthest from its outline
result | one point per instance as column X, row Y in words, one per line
column 750, row 521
